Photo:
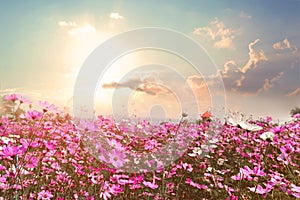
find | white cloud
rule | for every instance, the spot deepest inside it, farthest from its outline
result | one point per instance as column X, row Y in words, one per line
column 82, row 30
column 67, row 24
column 74, row 29
column 115, row 15
column 227, row 66
column 254, row 57
column 285, row 44
column 234, row 76
column 219, row 33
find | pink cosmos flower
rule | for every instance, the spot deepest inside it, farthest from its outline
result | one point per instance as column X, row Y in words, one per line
column 17, row 97
column 135, row 186
column 46, row 106
column 116, row 189
column 2, row 168
column 259, row 189
column 106, row 193
column 285, row 153
column 232, row 197
column 51, row 145
column 117, row 158
column 150, row 185
column 295, row 190
column 187, row 167
column 10, row 151
column 296, row 116
column 151, row 144
column 102, row 155
column 115, row 144
column 32, row 162
column 44, row 195
column 257, row 171
column 196, row 185
column 88, row 126
column 246, row 173
column 25, row 143
column 33, row 115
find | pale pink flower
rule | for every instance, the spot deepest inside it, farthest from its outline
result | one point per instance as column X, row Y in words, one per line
column 88, row 126
column 115, row 144
column 17, row 97
column 150, row 185
column 46, row 106
column 117, row 158
column 105, row 195
column 295, row 190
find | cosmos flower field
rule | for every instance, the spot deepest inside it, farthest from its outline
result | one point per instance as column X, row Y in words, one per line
column 46, row 154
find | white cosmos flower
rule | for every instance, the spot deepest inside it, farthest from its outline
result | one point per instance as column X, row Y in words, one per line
column 232, row 122
column 208, row 147
column 244, row 125
column 209, row 169
column 6, row 140
column 251, row 127
column 139, row 126
column 267, row 135
column 196, row 151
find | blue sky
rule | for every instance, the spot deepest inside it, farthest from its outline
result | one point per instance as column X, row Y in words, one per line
column 254, row 44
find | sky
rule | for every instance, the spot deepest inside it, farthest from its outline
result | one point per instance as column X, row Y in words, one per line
column 254, row 46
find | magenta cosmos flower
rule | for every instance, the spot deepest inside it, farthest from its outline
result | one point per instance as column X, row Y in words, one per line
column 45, row 195
column 33, row 115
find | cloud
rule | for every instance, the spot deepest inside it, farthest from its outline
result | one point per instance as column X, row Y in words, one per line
column 285, row 44
column 67, row 24
column 234, row 76
column 254, row 57
column 82, row 30
column 240, row 81
column 294, row 92
column 227, row 66
column 74, row 29
column 196, row 80
column 219, row 33
column 256, row 76
column 146, row 85
column 115, row 15
column 245, row 15
column 269, row 83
